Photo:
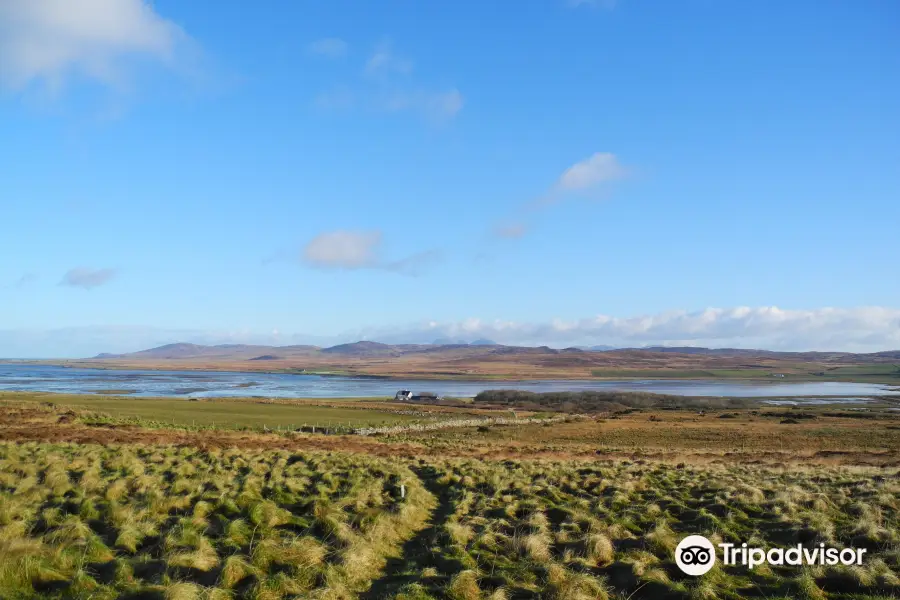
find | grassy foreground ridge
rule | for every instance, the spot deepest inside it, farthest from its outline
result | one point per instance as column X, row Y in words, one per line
column 589, row 505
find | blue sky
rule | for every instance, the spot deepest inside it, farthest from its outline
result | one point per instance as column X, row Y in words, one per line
column 555, row 172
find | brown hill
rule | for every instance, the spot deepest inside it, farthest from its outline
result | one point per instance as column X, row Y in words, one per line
column 513, row 362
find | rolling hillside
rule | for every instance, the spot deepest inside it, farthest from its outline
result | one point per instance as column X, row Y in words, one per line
column 514, row 362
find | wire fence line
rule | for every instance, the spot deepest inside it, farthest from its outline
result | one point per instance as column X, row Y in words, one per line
column 460, row 423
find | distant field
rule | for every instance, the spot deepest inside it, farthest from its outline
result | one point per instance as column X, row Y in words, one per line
column 690, row 374
column 888, row 374
column 222, row 413
column 750, row 435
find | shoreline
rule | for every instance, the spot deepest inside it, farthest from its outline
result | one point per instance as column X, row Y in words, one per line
column 890, row 400
column 468, row 377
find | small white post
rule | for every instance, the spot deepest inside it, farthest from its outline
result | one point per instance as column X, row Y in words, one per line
column 402, row 491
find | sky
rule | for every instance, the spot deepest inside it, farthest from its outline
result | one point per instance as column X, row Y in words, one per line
column 561, row 172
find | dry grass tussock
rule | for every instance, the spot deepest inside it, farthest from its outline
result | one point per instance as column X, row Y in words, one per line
column 189, row 523
column 242, row 521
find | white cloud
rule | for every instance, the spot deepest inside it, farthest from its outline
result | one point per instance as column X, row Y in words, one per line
column 362, row 250
column 586, row 178
column 384, row 62
column 343, row 249
column 851, row 329
column 434, row 105
column 601, row 167
column 328, row 47
column 863, row 329
column 49, row 40
column 87, row 278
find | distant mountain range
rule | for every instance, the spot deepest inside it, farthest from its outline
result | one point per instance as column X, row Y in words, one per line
column 483, row 358
column 369, row 349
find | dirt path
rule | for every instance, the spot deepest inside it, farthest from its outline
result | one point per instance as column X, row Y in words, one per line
column 427, row 549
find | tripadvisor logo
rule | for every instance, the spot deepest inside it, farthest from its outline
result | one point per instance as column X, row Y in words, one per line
column 696, row 555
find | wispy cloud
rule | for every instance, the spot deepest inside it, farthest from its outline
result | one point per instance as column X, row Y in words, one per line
column 387, row 85
column 433, row 105
column 416, row 264
column 51, row 40
column 87, row 278
column 352, row 250
column 511, row 231
column 590, row 177
column 328, row 47
column 590, row 173
column 26, row 279
column 607, row 4
column 384, row 61
column 343, row 250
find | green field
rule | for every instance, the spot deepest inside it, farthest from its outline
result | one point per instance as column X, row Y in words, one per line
column 695, row 374
column 882, row 373
column 231, row 413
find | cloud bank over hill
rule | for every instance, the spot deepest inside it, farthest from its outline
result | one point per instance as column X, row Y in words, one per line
column 853, row 329
column 864, row 329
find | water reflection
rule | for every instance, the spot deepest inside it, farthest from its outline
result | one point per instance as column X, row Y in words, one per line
column 215, row 384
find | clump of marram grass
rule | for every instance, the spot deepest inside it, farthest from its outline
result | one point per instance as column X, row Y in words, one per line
column 662, row 540
column 464, row 586
column 234, row 570
column 703, row 590
column 535, row 546
column 807, row 589
column 461, row 534
column 238, row 533
column 183, row 591
column 202, row 557
column 566, row 585
column 600, row 550
column 267, row 514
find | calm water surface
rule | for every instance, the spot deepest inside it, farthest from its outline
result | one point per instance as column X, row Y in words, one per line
column 217, row 384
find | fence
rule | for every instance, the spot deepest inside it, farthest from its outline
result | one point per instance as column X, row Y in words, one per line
column 459, row 423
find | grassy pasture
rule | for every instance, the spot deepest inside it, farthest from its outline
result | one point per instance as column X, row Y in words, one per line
column 743, row 435
column 790, row 372
column 585, row 509
column 224, row 413
column 882, row 373
column 161, row 523
column 167, row 523
column 688, row 373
